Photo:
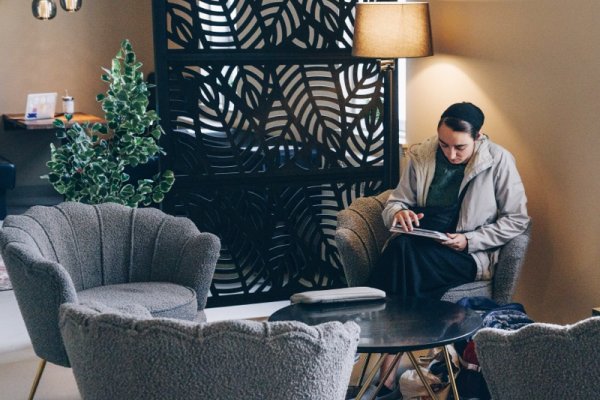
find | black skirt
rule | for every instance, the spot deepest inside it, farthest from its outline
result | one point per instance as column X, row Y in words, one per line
column 413, row 266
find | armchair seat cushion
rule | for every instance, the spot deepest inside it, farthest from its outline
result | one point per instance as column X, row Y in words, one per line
column 472, row 289
column 162, row 299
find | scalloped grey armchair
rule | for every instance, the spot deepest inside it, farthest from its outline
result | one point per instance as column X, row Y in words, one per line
column 361, row 234
column 541, row 361
column 121, row 356
column 107, row 253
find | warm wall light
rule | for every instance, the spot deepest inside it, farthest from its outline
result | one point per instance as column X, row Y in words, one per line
column 46, row 9
column 43, row 9
column 388, row 31
column 392, row 30
column 71, row 5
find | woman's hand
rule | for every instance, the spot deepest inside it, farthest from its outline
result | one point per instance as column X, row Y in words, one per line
column 406, row 219
column 457, row 241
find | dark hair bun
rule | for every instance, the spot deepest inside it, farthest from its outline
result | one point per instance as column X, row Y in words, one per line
column 466, row 112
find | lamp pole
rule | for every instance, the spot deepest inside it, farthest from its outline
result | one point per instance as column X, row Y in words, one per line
column 390, row 123
column 387, row 31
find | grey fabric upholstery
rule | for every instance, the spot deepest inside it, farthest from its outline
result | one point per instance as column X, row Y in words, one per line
column 541, row 361
column 56, row 254
column 116, row 356
column 161, row 299
column 361, row 234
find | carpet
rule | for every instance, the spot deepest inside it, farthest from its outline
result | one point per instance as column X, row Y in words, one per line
column 4, row 280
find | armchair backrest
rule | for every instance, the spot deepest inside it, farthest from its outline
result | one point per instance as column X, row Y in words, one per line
column 118, row 356
column 360, row 236
column 508, row 269
column 541, row 361
column 100, row 244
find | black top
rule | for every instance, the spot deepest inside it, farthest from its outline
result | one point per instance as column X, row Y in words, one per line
column 444, row 188
column 390, row 326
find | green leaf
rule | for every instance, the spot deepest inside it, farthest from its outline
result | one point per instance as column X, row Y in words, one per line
column 165, row 186
column 157, row 197
column 127, row 190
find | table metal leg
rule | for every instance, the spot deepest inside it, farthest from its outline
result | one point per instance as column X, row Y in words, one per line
column 420, row 373
column 386, row 374
column 450, row 372
column 364, row 369
column 371, row 376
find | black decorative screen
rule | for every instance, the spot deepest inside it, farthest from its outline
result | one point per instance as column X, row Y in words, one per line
column 272, row 127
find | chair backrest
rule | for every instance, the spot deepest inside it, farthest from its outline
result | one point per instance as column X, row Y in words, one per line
column 119, row 356
column 95, row 243
column 541, row 361
column 508, row 269
column 361, row 234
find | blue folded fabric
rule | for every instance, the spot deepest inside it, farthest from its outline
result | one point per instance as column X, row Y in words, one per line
column 506, row 319
column 510, row 316
column 486, row 305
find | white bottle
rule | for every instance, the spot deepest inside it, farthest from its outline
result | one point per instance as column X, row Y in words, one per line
column 68, row 104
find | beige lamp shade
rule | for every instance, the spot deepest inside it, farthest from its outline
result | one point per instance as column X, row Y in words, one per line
column 392, row 30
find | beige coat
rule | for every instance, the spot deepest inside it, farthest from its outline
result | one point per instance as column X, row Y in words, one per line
column 494, row 209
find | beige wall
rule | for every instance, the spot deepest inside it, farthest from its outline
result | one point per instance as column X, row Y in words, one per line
column 64, row 53
column 534, row 68
column 68, row 51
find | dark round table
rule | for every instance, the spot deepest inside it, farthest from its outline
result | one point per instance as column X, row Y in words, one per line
column 393, row 325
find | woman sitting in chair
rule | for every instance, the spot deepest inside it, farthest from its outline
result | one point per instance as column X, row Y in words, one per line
column 459, row 183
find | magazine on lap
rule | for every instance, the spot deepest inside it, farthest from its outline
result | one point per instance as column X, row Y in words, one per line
column 420, row 232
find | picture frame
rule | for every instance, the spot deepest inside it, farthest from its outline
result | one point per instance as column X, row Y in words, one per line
column 40, row 106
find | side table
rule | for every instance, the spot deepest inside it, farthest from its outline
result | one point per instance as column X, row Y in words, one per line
column 394, row 326
column 18, row 121
column 26, row 144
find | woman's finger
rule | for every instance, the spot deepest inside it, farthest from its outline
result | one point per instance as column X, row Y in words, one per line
column 415, row 218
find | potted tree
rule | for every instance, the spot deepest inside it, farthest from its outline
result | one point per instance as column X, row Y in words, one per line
column 91, row 164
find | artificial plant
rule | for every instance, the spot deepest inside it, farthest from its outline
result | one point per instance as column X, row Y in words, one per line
column 90, row 164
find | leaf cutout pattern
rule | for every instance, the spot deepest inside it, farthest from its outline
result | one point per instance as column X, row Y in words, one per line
column 298, row 223
column 268, row 147
column 252, row 24
column 258, row 119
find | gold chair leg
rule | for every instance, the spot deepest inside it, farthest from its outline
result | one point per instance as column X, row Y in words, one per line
column 37, row 378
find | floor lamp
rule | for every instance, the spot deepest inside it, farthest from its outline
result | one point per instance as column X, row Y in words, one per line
column 388, row 31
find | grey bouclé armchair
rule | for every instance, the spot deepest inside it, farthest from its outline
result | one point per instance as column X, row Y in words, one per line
column 541, row 361
column 123, row 356
column 107, row 253
column 361, row 234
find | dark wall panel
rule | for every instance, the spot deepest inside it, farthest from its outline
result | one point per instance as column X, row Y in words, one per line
column 272, row 127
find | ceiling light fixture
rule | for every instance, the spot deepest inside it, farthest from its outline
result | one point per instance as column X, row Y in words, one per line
column 46, row 9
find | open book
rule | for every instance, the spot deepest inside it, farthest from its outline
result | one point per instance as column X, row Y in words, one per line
column 420, row 232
